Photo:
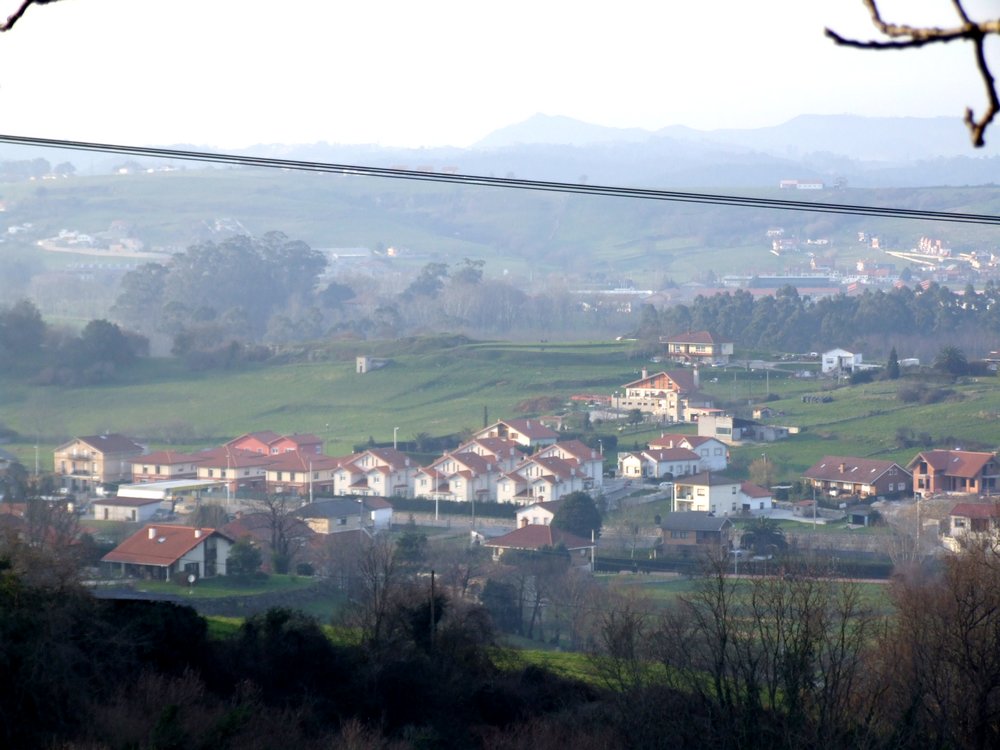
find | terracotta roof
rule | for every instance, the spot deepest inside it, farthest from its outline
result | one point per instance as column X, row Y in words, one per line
column 299, row 461
column 671, row 454
column 976, row 510
column 691, row 337
column 167, row 458
column 850, row 469
column 575, row 448
column 160, row 544
column 752, row 490
column 536, row 536
column 233, row 458
column 680, row 381
column 530, row 428
column 954, row 463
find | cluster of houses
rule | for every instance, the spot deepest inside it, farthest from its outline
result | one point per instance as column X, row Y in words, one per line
column 517, row 461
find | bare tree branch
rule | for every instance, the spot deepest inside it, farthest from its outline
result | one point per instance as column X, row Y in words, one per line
column 904, row 36
column 16, row 15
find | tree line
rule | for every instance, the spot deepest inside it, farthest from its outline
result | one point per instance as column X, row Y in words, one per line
column 925, row 319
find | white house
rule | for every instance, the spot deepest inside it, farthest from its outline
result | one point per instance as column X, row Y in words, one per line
column 708, row 491
column 131, row 509
column 537, row 513
column 160, row 551
column 656, row 463
column 839, row 360
column 713, row 454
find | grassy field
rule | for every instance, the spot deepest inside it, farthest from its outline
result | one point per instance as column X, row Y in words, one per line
column 442, row 386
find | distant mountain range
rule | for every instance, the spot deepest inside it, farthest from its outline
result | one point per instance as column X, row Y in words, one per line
column 858, row 151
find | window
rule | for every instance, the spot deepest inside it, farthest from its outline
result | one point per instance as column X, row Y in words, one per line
column 157, row 469
column 718, row 451
column 145, row 469
column 678, row 535
column 211, row 473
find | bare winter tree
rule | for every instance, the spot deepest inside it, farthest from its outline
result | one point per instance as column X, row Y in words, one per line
column 14, row 17
column 904, row 36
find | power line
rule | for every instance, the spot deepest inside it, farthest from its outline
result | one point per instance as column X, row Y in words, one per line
column 607, row 191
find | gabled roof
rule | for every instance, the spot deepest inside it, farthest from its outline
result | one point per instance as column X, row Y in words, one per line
column 670, row 440
column 496, row 446
column 670, row 454
column 298, row 461
column 850, row 469
column 536, row 536
column 690, row 337
column 160, row 544
column 695, row 520
column 257, row 526
column 530, row 428
column 549, row 505
column 167, row 458
column 112, row 443
column 265, row 436
column 233, row 458
column 706, row 479
column 753, row 490
column 976, row 510
column 954, row 463
column 575, row 448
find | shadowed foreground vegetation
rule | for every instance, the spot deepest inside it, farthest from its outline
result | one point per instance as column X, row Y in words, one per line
column 769, row 662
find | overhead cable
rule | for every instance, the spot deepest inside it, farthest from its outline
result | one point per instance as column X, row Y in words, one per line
column 507, row 182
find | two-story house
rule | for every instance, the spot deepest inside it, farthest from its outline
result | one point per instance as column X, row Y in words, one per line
column 697, row 347
column 530, row 433
column 691, row 532
column 301, row 474
column 241, row 470
column 460, row 477
column 709, row 492
column 671, row 396
column 971, row 524
column 164, row 466
column 540, row 480
column 590, row 461
column 955, row 472
column 713, row 454
column 658, row 463
column 837, row 476
column 85, row 463
column 269, row 442
column 381, row 472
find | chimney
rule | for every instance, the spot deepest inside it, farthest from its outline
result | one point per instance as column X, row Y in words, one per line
column 694, row 373
column 197, row 533
column 842, row 467
column 152, row 532
column 645, row 373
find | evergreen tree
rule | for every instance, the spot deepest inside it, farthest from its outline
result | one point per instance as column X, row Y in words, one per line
column 578, row 514
column 892, row 368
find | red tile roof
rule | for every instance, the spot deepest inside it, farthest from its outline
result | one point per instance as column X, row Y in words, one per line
column 167, row 458
column 976, row 510
column 850, row 469
column 955, row 463
column 536, row 536
column 159, row 544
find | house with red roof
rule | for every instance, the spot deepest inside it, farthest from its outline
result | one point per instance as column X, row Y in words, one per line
column 698, row 346
column 459, row 476
column 537, row 513
column 164, row 466
column 955, row 472
column 541, row 479
column 242, row 470
column 301, row 474
column 713, row 454
column 162, row 550
column 972, row 524
column 271, row 443
column 658, row 463
column 589, row 460
column 838, row 476
column 527, row 432
column 381, row 472
column 536, row 537
column 506, row 453
column 671, row 396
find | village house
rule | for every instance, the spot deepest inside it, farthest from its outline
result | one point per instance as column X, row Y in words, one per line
column 693, row 347
column 163, row 550
column 461, row 477
column 971, row 524
column 954, row 472
column 85, row 463
column 713, row 454
column 302, row 474
column 241, row 470
column 709, row 492
column 839, row 476
column 837, row 361
column 669, row 396
column 754, row 497
column 537, row 513
column 658, row 463
column 540, row 480
column 129, row 509
column 535, row 537
column 690, row 532
column 270, row 443
column 332, row 516
column 587, row 459
column 736, row 430
column 381, row 472
column 527, row 432
column 505, row 453
column 163, row 466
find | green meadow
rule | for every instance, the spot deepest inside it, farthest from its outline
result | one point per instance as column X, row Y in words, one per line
column 442, row 386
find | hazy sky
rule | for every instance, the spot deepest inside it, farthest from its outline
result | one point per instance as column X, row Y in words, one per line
column 232, row 73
